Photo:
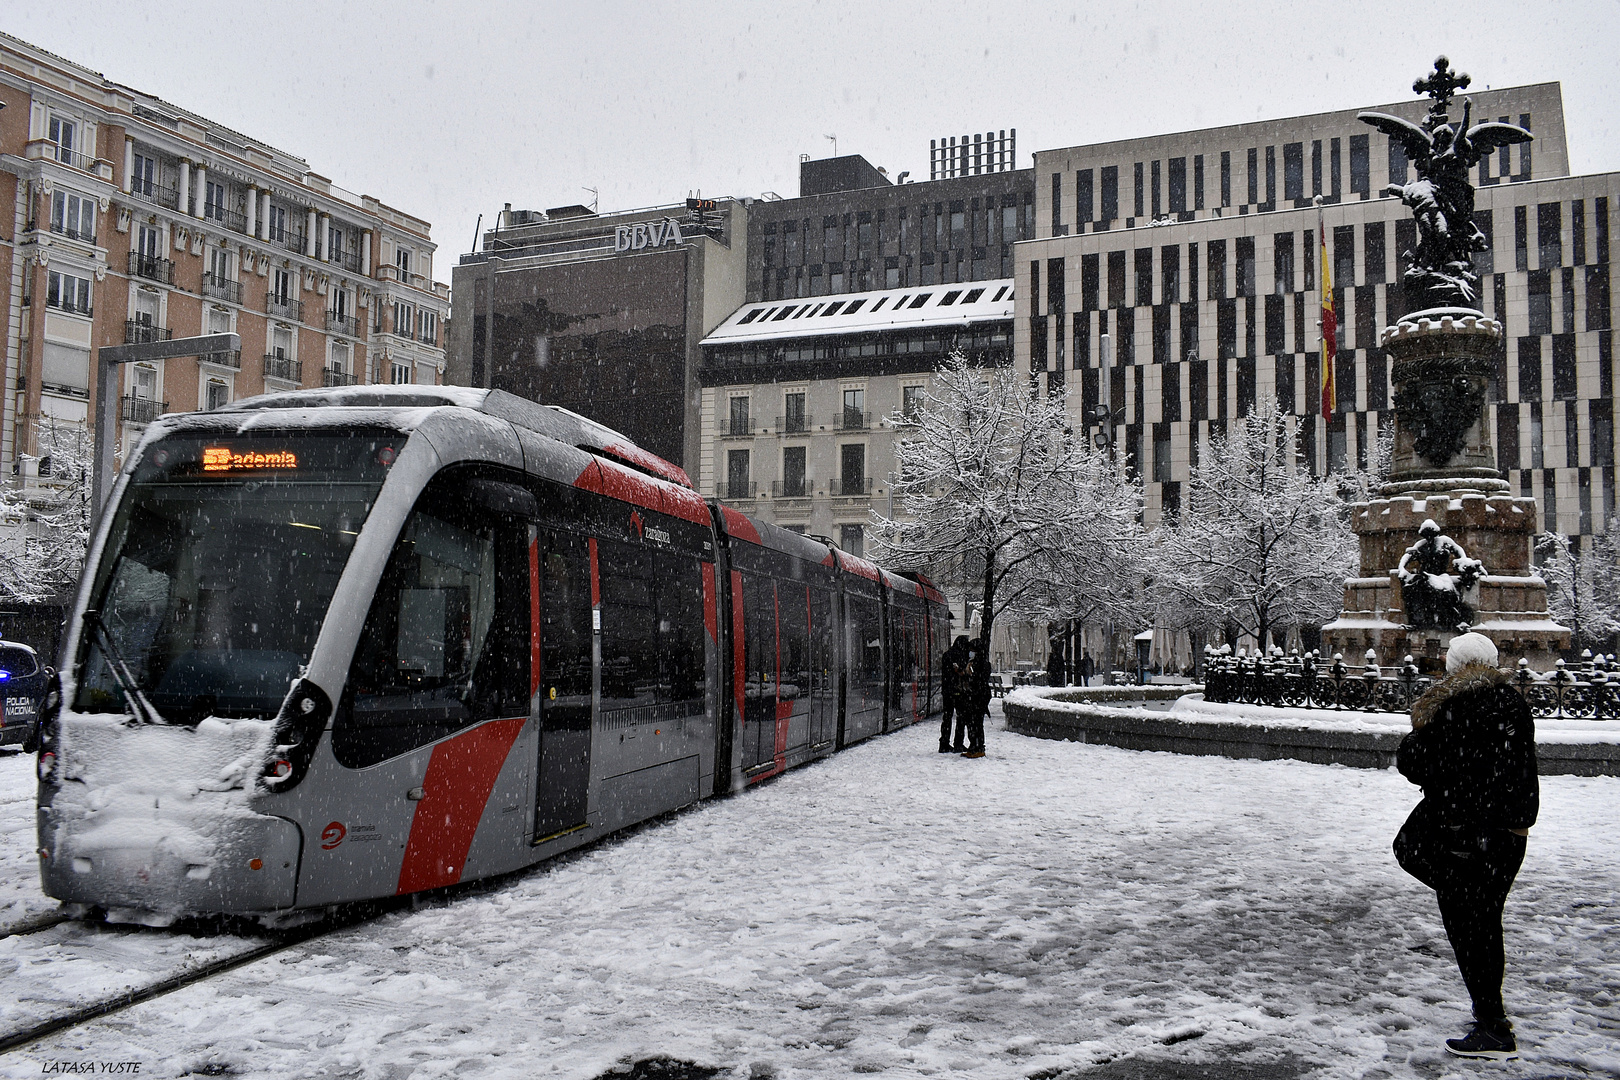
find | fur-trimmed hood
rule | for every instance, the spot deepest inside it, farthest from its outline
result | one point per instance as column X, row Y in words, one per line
column 1469, row 677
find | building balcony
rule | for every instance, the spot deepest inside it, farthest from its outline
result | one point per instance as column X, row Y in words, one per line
column 284, row 368
column 151, row 267
column 429, row 339
column 140, row 332
column 739, row 490
column 853, row 420
column 73, row 234
column 348, row 260
column 290, row 239
column 222, row 288
column 735, row 427
column 338, row 377
column 284, row 307
column 850, row 487
column 231, row 358
column 157, row 194
column 795, row 425
column 790, row 489
column 139, row 410
column 342, row 324
column 229, row 218
column 46, row 150
column 72, row 307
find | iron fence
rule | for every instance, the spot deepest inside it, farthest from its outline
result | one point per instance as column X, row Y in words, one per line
column 1588, row 690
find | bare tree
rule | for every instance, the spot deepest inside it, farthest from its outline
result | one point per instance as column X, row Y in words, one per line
column 1259, row 543
column 1583, row 586
column 45, row 526
column 1001, row 498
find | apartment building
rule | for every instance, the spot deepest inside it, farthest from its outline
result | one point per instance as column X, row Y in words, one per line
column 137, row 220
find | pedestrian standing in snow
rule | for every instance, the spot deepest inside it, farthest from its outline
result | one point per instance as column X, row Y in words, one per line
column 1472, row 750
column 978, row 701
column 1087, row 668
column 953, row 666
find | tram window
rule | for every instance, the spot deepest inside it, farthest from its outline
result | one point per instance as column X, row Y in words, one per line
column 793, row 627
column 680, row 626
column 866, row 647
column 446, row 643
column 629, row 625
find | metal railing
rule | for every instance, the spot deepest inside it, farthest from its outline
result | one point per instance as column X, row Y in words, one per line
column 337, row 377
column 342, row 324
column 1591, row 690
column 793, row 425
column 286, row 309
column 222, row 288
column 232, row 220
column 139, row 410
column 139, row 332
column 788, row 489
column 853, row 419
column 166, row 197
column 291, row 239
column 151, row 267
column 73, row 234
column 283, row 367
column 739, row 490
column 348, row 260
column 231, row 358
column 850, row 486
column 733, row 426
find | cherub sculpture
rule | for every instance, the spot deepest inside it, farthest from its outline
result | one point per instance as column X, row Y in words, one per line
column 1432, row 587
column 1441, row 267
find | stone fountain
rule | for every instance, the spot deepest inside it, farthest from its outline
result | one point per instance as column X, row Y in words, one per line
column 1445, row 547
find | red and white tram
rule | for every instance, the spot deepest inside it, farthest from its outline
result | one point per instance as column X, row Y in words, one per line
column 346, row 644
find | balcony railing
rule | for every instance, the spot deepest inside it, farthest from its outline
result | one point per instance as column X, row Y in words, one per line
column 140, row 332
column 348, row 260
column 734, row 426
column 287, row 308
column 139, row 410
column 739, row 490
column 853, row 419
column 222, row 288
column 229, row 218
column 850, row 486
column 428, row 338
column 790, row 489
column 342, row 324
column 73, row 234
column 151, row 267
column 72, row 307
column 231, row 358
column 290, row 239
column 338, row 377
column 166, row 197
column 284, row 368
column 794, row 424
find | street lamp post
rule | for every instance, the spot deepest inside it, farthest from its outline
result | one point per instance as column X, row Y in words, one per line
column 108, row 360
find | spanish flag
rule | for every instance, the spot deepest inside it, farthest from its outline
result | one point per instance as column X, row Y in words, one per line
column 1330, row 323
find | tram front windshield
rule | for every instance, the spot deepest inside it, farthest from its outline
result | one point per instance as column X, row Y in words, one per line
column 219, row 568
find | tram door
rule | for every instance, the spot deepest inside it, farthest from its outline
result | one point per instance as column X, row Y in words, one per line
column 560, row 582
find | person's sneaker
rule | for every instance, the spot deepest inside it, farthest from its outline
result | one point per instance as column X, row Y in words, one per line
column 1481, row 1041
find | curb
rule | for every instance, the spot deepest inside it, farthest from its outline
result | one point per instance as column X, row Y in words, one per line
column 1361, row 750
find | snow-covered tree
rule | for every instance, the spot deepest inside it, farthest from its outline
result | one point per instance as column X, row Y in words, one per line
column 1259, row 543
column 45, row 525
column 1583, row 586
column 1002, row 500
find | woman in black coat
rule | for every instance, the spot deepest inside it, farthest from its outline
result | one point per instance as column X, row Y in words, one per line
column 1472, row 749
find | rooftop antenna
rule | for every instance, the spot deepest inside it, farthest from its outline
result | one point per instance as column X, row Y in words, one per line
column 476, row 229
column 834, row 139
column 593, row 197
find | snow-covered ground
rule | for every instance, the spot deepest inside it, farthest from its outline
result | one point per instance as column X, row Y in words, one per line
column 1054, row 909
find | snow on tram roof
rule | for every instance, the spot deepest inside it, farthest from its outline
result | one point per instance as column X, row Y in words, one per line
column 854, row 313
column 550, row 420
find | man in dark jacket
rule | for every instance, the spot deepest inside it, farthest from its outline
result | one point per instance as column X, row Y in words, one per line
column 953, row 666
column 1472, row 749
column 977, row 700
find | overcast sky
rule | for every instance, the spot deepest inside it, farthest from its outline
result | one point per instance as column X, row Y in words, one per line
column 448, row 110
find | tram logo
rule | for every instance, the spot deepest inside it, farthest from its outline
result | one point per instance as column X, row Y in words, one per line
column 333, row 835
column 224, row 459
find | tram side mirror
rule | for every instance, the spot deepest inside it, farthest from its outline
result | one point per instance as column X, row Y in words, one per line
column 500, row 497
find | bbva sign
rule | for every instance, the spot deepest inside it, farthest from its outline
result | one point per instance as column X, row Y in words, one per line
column 646, row 234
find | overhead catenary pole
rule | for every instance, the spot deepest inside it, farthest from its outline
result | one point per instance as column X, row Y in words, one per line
column 108, row 360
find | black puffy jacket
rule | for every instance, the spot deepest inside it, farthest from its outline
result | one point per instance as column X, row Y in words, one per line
column 1473, row 752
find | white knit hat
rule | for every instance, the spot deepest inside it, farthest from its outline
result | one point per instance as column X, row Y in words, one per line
column 1470, row 648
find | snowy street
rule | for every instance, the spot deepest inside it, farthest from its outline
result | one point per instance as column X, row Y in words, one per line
column 1054, row 909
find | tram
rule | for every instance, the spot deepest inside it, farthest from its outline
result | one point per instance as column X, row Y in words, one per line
column 335, row 645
